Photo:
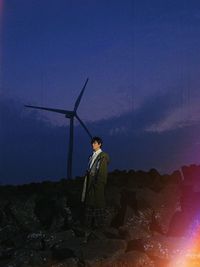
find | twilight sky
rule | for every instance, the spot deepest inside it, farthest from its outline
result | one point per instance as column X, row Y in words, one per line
column 143, row 61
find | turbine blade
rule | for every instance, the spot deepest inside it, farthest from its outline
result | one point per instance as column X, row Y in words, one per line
column 83, row 126
column 80, row 95
column 66, row 112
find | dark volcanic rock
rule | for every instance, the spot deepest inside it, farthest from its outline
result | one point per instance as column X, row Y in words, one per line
column 25, row 258
column 99, row 250
column 71, row 262
column 41, row 224
column 53, row 212
column 133, row 259
column 21, row 214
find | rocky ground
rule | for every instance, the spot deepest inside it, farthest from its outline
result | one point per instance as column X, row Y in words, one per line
column 151, row 220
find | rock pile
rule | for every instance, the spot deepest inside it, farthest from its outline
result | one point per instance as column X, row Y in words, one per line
column 148, row 216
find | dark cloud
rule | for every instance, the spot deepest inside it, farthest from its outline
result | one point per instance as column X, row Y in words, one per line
column 32, row 149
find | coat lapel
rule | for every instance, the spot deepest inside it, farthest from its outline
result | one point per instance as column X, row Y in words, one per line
column 95, row 160
column 89, row 161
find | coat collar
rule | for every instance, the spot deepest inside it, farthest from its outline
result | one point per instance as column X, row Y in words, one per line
column 97, row 157
column 97, row 152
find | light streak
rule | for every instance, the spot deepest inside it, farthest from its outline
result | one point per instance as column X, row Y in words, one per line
column 189, row 255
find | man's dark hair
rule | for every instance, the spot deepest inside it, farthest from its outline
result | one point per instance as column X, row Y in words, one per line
column 98, row 139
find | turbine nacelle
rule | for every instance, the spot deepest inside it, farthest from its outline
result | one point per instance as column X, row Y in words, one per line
column 70, row 114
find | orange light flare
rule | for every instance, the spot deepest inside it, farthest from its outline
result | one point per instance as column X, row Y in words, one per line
column 190, row 251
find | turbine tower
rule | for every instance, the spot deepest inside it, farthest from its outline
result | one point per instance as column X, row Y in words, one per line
column 70, row 114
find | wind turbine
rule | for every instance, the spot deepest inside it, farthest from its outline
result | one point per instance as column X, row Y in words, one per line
column 70, row 114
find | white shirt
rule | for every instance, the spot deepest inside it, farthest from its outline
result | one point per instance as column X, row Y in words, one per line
column 95, row 154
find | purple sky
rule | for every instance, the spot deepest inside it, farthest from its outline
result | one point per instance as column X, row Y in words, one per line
column 142, row 59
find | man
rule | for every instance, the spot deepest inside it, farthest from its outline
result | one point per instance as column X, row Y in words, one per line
column 93, row 195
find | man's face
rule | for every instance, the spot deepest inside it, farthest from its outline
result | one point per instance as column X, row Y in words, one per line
column 95, row 145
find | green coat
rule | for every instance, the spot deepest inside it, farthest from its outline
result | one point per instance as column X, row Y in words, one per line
column 96, row 180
